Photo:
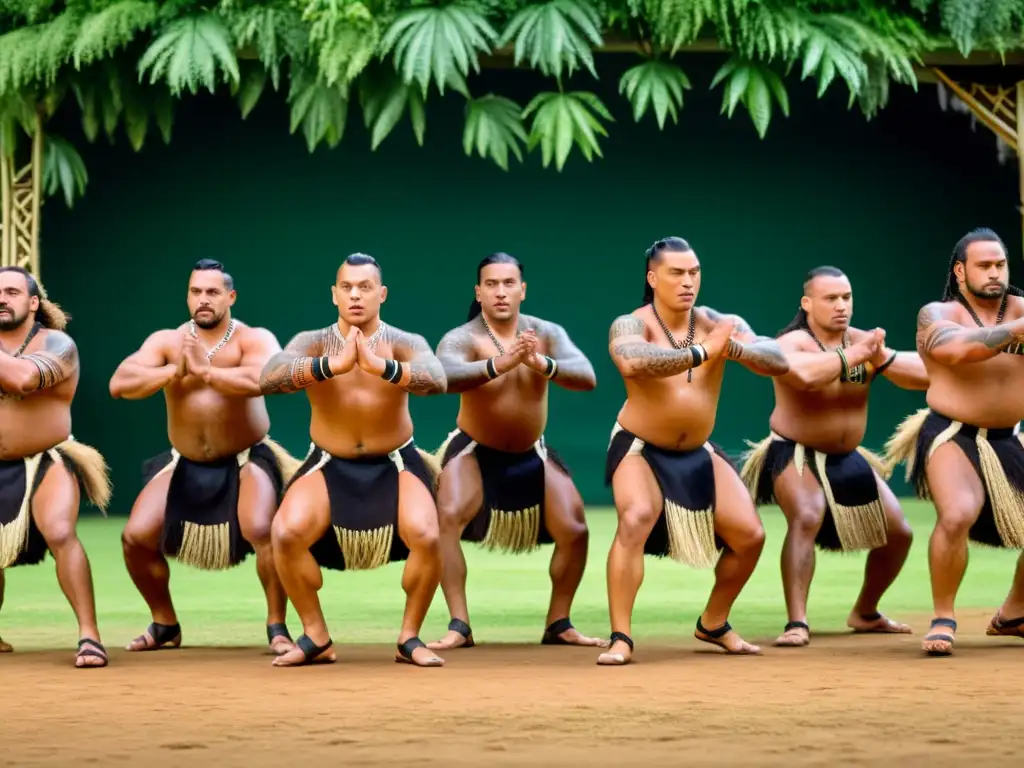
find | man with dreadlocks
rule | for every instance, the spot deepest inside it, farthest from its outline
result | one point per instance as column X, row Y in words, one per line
column 365, row 496
column 841, row 502
column 209, row 501
column 964, row 450
column 501, row 484
column 676, row 493
column 43, row 469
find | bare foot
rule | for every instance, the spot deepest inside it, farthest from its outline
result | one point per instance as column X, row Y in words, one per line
column 876, row 623
column 6, row 647
column 157, row 636
column 939, row 641
column 459, row 636
column 562, row 632
column 620, row 652
column 796, row 635
column 280, row 645
column 727, row 638
column 90, row 654
column 305, row 652
column 414, row 651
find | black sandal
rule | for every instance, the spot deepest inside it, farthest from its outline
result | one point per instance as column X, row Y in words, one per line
column 100, row 653
column 713, row 636
column 164, row 636
column 552, row 634
column 278, row 630
column 405, row 653
column 310, row 652
column 462, row 628
column 615, row 637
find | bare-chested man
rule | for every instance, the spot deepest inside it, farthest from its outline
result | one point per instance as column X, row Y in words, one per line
column 501, row 484
column 676, row 493
column 963, row 451
column 831, row 490
column 43, row 469
column 209, row 501
column 365, row 496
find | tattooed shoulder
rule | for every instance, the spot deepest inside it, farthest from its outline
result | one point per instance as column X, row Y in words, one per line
column 61, row 346
column 932, row 313
column 309, row 343
column 625, row 325
column 742, row 326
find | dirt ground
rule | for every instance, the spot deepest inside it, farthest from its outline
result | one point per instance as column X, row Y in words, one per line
column 856, row 700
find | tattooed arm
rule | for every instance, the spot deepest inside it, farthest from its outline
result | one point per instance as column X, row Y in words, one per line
column 637, row 358
column 456, row 353
column 947, row 342
column 759, row 354
column 572, row 368
column 292, row 369
column 55, row 362
column 422, row 372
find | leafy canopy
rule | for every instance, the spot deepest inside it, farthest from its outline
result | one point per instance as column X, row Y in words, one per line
column 125, row 62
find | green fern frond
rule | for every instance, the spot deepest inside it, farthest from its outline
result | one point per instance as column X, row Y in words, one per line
column 677, row 23
column 344, row 35
column 384, row 99
column 253, row 82
column 34, row 55
column 321, row 109
column 494, row 127
column 554, row 35
column 63, row 169
column 564, row 119
column 103, row 33
column 440, row 43
column 754, row 85
column 655, row 84
column 17, row 118
column 273, row 31
column 189, row 53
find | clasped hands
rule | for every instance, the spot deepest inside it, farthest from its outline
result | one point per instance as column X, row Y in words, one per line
column 524, row 351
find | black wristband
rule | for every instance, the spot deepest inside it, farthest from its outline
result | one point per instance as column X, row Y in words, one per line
column 325, row 366
column 392, row 371
column 699, row 355
column 892, row 358
column 492, row 372
column 552, row 370
column 844, row 374
column 317, row 368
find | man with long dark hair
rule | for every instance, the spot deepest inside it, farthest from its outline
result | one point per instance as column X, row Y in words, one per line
column 831, row 489
column 502, row 485
column 676, row 493
column 964, row 450
column 43, row 469
column 365, row 496
column 209, row 500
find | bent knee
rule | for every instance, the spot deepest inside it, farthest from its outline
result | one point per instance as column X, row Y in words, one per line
column 287, row 532
column 257, row 532
column 452, row 517
column 636, row 522
column 59, row 535
column 806, row 519
column 748, row 540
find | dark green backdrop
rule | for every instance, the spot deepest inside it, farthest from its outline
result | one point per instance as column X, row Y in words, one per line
column 884, row 200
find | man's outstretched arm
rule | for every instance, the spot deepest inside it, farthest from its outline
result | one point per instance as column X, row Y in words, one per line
column 759, row 354
column 949, row 343
column 637, row 358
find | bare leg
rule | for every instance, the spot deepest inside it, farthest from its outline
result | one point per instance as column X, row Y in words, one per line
column 803, row 503
column 148, row 567
column 959, row 496
column 460, row 494
column 55, row 511
column 4, row 647
column 418, row 527
column 737, row 523
column 256, row 506
column 881, row 569
column 638, row 501
column 304, row 515
column 567, row 524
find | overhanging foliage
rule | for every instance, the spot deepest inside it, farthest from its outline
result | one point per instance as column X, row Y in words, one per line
column 125, row 62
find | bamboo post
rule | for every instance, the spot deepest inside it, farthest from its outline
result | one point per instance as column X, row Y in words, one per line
column 1020, row 151
column 37, row 195
column 6, row 220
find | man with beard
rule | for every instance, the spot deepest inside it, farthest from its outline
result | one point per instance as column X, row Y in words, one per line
column 501, row 484
column 831, row 489
column 209, row 500
column 676, row 493
column 43, row 469
column 365, row 496
column 964, row 451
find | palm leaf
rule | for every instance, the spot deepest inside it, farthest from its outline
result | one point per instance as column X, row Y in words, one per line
column 321, row 109
column 34, row 55
column 658, row 85
column 189, row 52
column 494, row 127
column 555, row 35
column 440, row 43
column 754, row 85
column 103, row 33
column 274, row 32
column 562, row 120
column 63, row 169
column 385, row 98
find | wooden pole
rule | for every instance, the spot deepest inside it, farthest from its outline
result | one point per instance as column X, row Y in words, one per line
column 37, row 195
column 1020, row 151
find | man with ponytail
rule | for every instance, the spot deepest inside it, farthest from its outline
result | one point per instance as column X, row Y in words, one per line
column 964, row 450
column 502, row 485
column 831, row 490
column 44, row 471
column 676, row 493
column 209, row 500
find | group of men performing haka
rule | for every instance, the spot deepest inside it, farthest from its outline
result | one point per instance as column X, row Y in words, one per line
column 366, row 495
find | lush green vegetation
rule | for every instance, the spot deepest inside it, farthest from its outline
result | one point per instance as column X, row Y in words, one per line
column 125, row 62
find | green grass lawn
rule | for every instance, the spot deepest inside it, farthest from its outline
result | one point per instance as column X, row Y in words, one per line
column 508, row 594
